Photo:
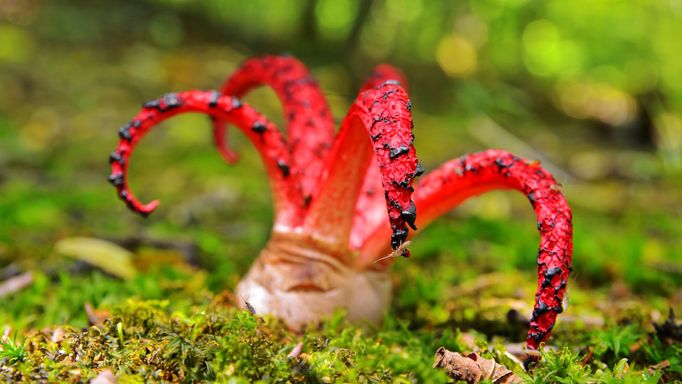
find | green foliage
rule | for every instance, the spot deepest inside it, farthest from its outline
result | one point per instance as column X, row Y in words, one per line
column 11, row 352
column 565, row 366
column 614, row 343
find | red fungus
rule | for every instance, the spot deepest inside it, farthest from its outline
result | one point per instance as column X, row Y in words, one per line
column 332, row 192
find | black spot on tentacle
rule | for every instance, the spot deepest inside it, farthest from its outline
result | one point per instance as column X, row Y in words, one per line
column 537, row 335
column 115, row 157
column 560, row 287
column 394, row 203
column 419, row 171
column 395, row 152
column 540, row 226
column 258, row 127
column 375, row 137
column 398, row 237
column 378, row 119
column 410, row 215
column 152, row 104
column 123, row 194
column 549, row 275
column 284, row 167
column 501, row 165
column 541, row 309
column 470, row 168
column 531, row 198
column 124, row 132
column 116, row 179
column 408, row 105
column 213, row 102
column 404, row 184
column 389, row 92
column 171, row 100
column 236, row 103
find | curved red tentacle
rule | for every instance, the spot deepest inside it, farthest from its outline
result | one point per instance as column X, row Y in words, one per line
column 263, row 134
column 220, row 141
column 310, row 126
column 382, row 113
column 383, row 73
column 369, row 210
column 457, row 180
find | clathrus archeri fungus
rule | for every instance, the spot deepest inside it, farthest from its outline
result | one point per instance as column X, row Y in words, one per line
column 332, row 191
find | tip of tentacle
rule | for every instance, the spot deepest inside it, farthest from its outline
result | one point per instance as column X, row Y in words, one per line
column 117, row 180
column 391, row 82
column 147, row 209
column 143, row 210
column 229, row 156
column 398, row 238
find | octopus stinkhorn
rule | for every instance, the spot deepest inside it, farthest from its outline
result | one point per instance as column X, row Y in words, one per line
column 331, row 233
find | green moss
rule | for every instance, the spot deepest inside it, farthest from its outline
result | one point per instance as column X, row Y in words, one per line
column 203, row 338
column 147, row 341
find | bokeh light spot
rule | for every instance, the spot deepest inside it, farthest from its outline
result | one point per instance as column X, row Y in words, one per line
column 15, row 44
column 542, row 48
column 456, row 56
column 334, row 17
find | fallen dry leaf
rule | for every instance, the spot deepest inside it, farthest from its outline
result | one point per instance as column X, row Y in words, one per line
column 473, row 368
column 102, row 254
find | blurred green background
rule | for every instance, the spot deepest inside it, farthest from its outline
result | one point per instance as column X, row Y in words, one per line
column 594, row 89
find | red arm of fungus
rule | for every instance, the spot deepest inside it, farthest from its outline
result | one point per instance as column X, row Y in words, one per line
column 310, row 126
column 460, row 179
column 370, row 209
column 262, row 134
column 383, row 115
column 383, row 73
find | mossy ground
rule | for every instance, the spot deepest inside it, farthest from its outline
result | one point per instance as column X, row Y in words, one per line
column 170, row 323
column 196, row 336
